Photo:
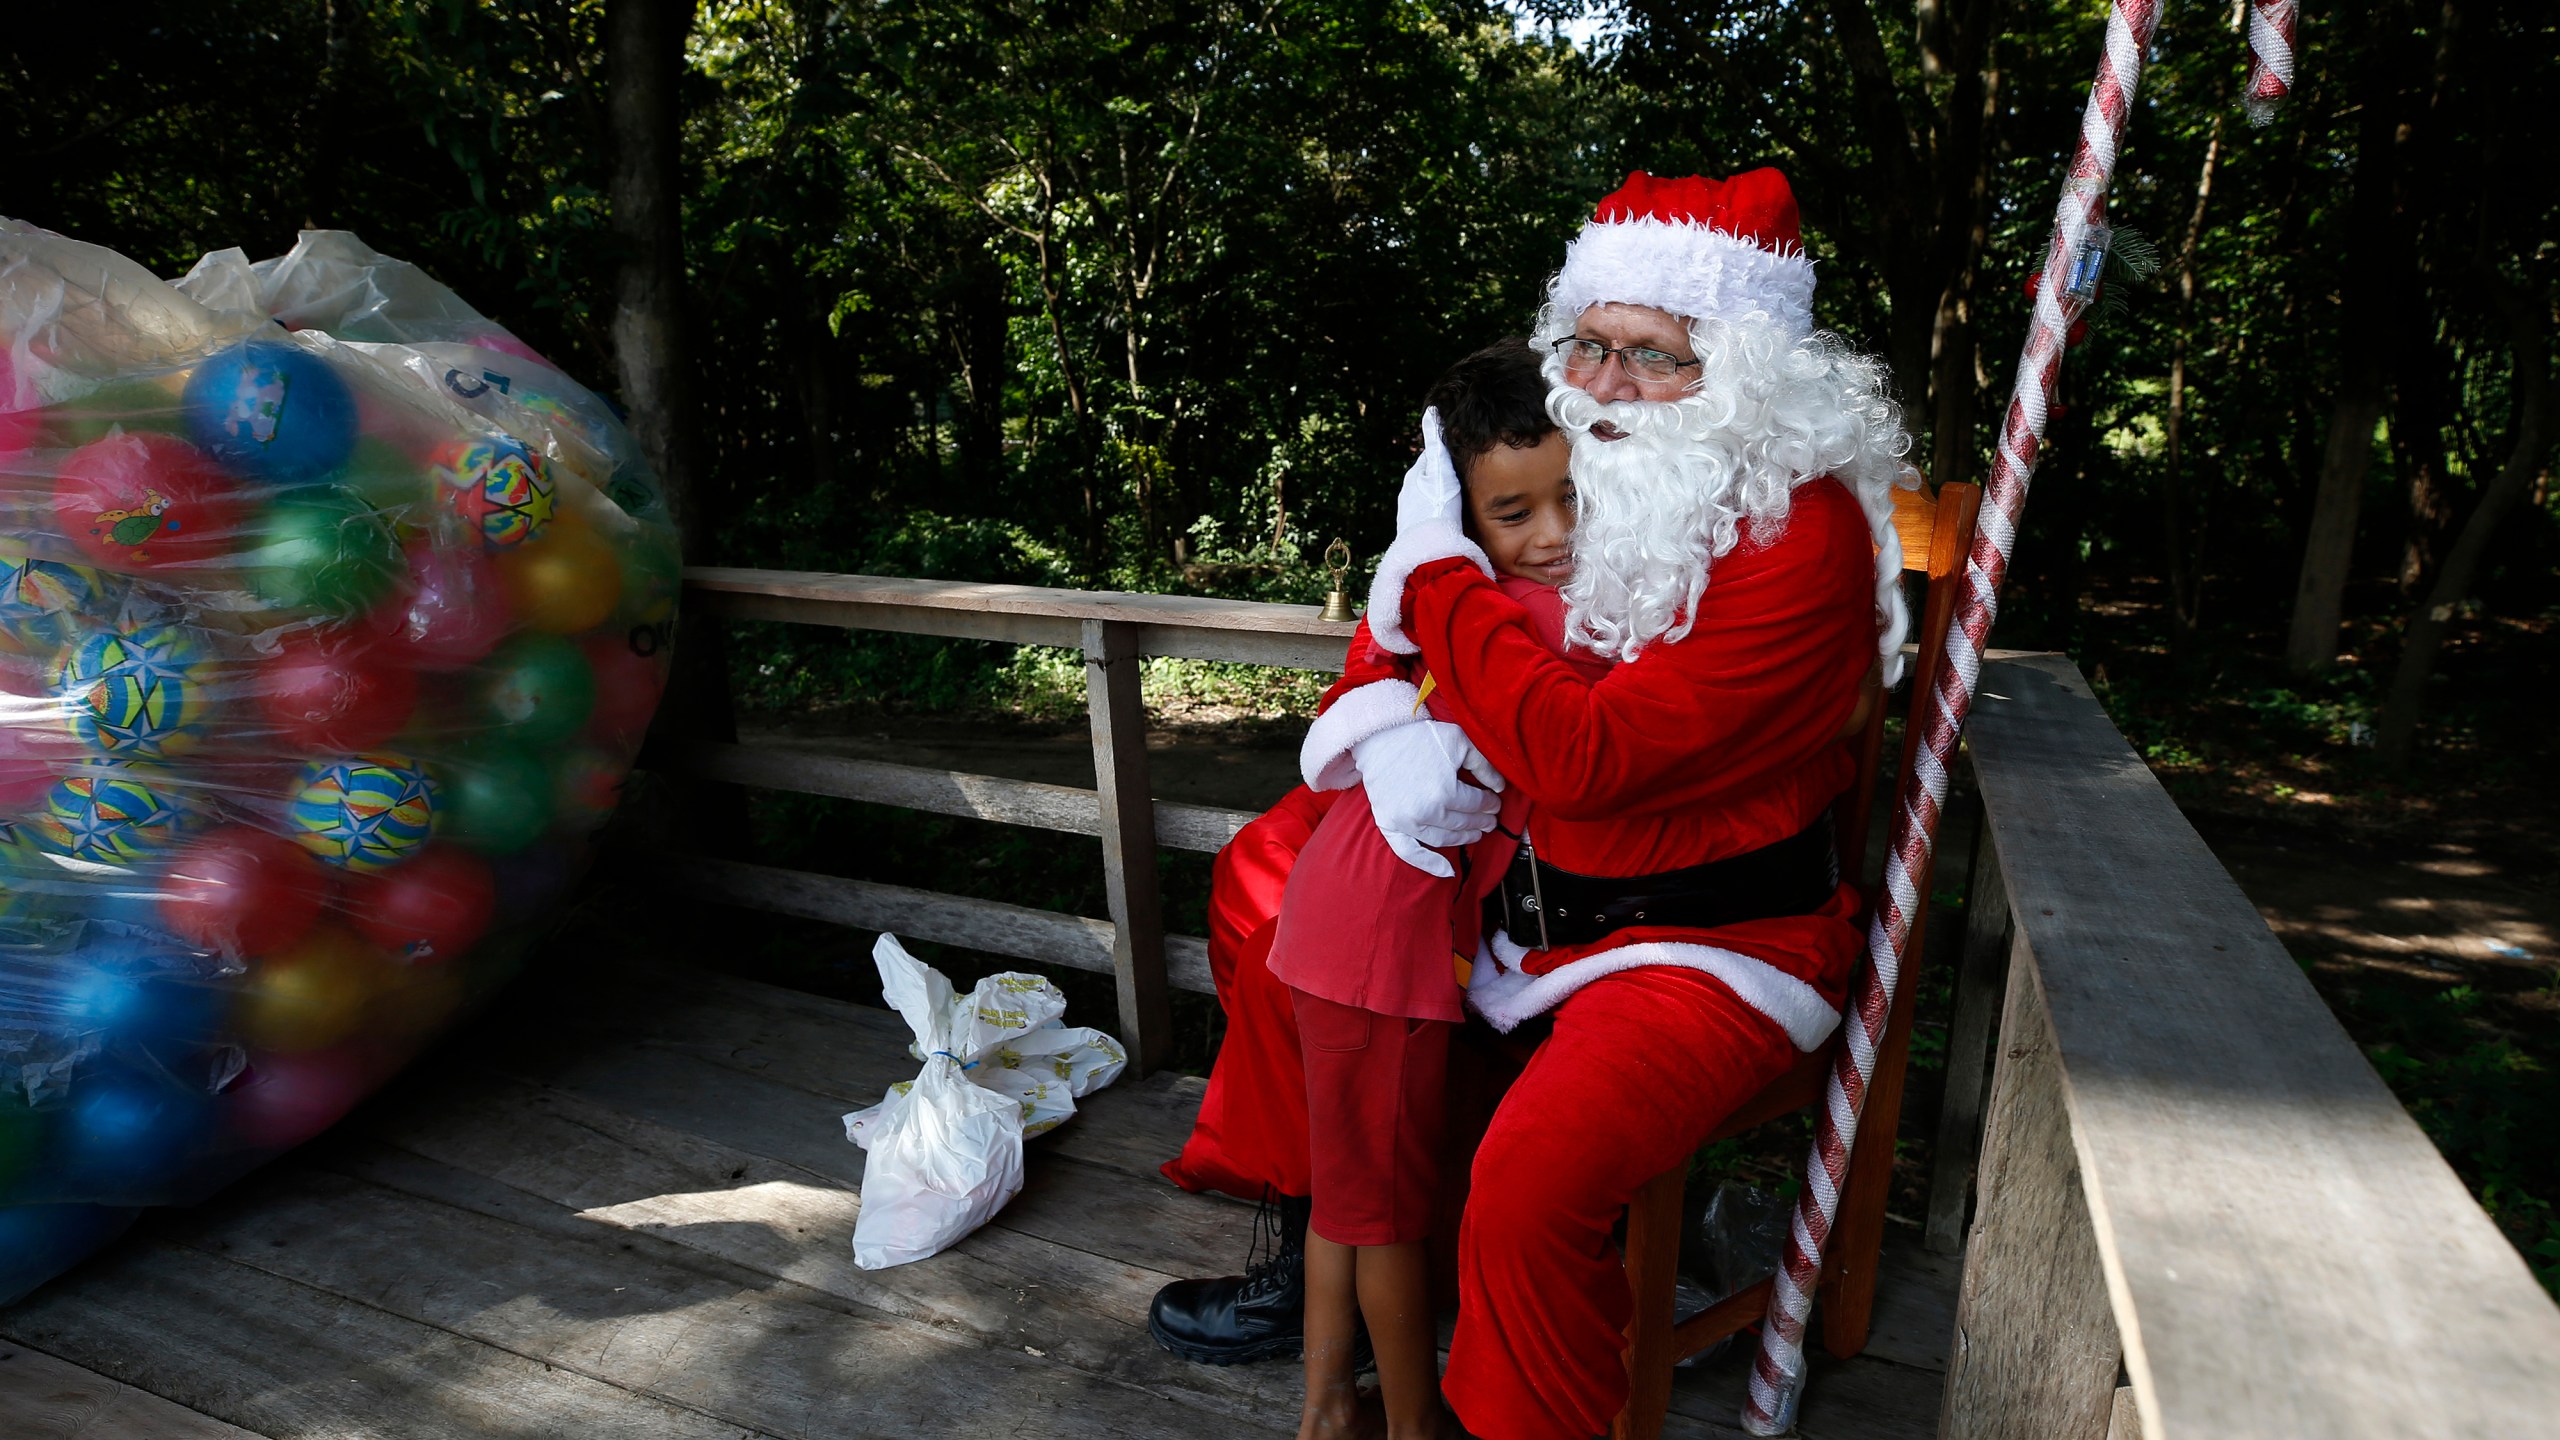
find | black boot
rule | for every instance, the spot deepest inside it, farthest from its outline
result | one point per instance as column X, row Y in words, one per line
column 1237, row 1319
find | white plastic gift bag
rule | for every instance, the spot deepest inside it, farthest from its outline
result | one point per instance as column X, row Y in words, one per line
column 945, row 1149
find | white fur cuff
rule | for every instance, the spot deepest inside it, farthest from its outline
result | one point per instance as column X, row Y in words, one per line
column 1504, row 994
column 1414, row 548
column 1324, row 760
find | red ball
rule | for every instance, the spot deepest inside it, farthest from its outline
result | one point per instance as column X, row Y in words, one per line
column 454, row 612
column 281, row 1100
column 242, row 891
column 340, row 697
column 429, row 910
column 143, row 501
column 628, row 685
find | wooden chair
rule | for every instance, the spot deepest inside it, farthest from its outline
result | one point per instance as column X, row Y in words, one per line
column 1936, row 534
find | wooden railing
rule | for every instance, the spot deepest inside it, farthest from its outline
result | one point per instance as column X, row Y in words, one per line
column 2187, row 1168
column 1114, row 631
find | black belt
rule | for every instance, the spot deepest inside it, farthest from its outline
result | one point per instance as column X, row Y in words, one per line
column 1542, row 906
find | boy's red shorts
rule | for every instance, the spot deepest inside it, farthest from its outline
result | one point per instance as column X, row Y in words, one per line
column 1377, row 1097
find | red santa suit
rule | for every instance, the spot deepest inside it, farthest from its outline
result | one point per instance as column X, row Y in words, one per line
column 1716, row 744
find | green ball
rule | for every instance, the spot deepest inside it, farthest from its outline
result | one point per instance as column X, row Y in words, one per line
column 494, row 801
column 390, row 480
column 133, row 406
column 539, row 688
column 322, row 548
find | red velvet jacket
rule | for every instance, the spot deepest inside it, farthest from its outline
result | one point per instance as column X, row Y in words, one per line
column 1719, row 743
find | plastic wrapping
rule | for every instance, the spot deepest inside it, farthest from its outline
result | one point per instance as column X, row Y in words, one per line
column 945, row 1149
column 325, row 646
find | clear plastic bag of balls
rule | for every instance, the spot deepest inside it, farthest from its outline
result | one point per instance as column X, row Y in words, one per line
column 331, row 619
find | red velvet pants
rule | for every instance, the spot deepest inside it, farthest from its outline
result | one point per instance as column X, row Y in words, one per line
column 1638, row 1068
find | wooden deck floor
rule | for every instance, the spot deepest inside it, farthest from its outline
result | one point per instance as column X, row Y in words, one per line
column 620, row 1208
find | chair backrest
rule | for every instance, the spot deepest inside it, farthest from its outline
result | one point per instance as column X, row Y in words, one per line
column 1936, row 533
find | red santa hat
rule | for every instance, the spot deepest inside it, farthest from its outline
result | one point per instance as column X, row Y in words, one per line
column 1700, row 248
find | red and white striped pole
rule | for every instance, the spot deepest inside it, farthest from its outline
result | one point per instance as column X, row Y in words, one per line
column 2271, row 29
column 1777, row 1374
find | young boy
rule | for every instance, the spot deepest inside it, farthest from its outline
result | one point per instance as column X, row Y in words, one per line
column 1374, row 952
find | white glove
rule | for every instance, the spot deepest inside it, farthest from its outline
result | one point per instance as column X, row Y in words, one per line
column 1430, row 510
column 1416, row 795
column 1430, row 494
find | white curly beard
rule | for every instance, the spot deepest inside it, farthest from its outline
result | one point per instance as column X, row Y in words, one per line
column 1659, row 505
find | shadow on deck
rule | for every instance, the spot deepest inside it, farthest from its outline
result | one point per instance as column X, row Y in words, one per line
column 620, row 1207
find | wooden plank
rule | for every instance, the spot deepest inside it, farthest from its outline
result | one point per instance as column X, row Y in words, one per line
column 1980, row 979
column 1128, row 841
column 285, row 1361
column 989, row 925
column 1653, row 1269
column 1063, row 808
column 858, row 593
column 850, row 1053
column 44, row 1398
column 751, row 1355
column 2124, row 1421
column 1100, row 1211
column 564, row 1165
column 958, row 624
column 2286, row 1253
column 2035, row 1347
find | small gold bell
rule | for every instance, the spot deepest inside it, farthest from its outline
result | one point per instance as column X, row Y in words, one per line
column 1337, row 601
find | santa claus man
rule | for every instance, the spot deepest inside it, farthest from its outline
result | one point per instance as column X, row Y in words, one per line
column 1674, row 928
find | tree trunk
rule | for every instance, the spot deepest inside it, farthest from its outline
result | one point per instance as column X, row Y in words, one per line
column 2186, row 570
column 644, row 62
column 2329, row 548
column 2529, row 327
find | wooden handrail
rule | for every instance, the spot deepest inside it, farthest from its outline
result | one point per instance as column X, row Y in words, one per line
column 1115, row 631
column 1191, row 627
column 2188, row 1166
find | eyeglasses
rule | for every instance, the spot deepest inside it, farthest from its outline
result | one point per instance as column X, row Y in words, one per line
column 1640, row 362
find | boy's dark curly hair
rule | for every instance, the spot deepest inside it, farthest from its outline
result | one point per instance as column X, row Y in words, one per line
column 1493, row 397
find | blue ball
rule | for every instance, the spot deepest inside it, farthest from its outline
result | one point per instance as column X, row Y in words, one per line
column 134, row 989
column 271, row 411
column 128, row 1133
column 38, row 1242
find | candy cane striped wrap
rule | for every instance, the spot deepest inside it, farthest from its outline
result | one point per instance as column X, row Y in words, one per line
column 1777, row 1374
column 2271, row 29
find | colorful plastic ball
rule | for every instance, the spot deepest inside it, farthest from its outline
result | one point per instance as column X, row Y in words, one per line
column 120, row 988
column 493, row 800
column 311, row 994
column 38, row 1242
column 128, row 1131
column 539, row 688
column 136, row 405
column 241, row 891
column 110, row 818
column 271, row 411
column 136, row 693
column 283, row 1099
column 586, row 786
column 146, row 502
column 364, row 814
column 322, row 549
column 454, row 611
column 499, row 488
column 628, row 684
column 390, row 479
column 428, row 911
column 335, row 694
column 31, row 756
column 44, row 603
column 567, row 583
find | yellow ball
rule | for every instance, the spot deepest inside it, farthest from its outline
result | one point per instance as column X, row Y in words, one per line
column 567, row 582
column 312, row 994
